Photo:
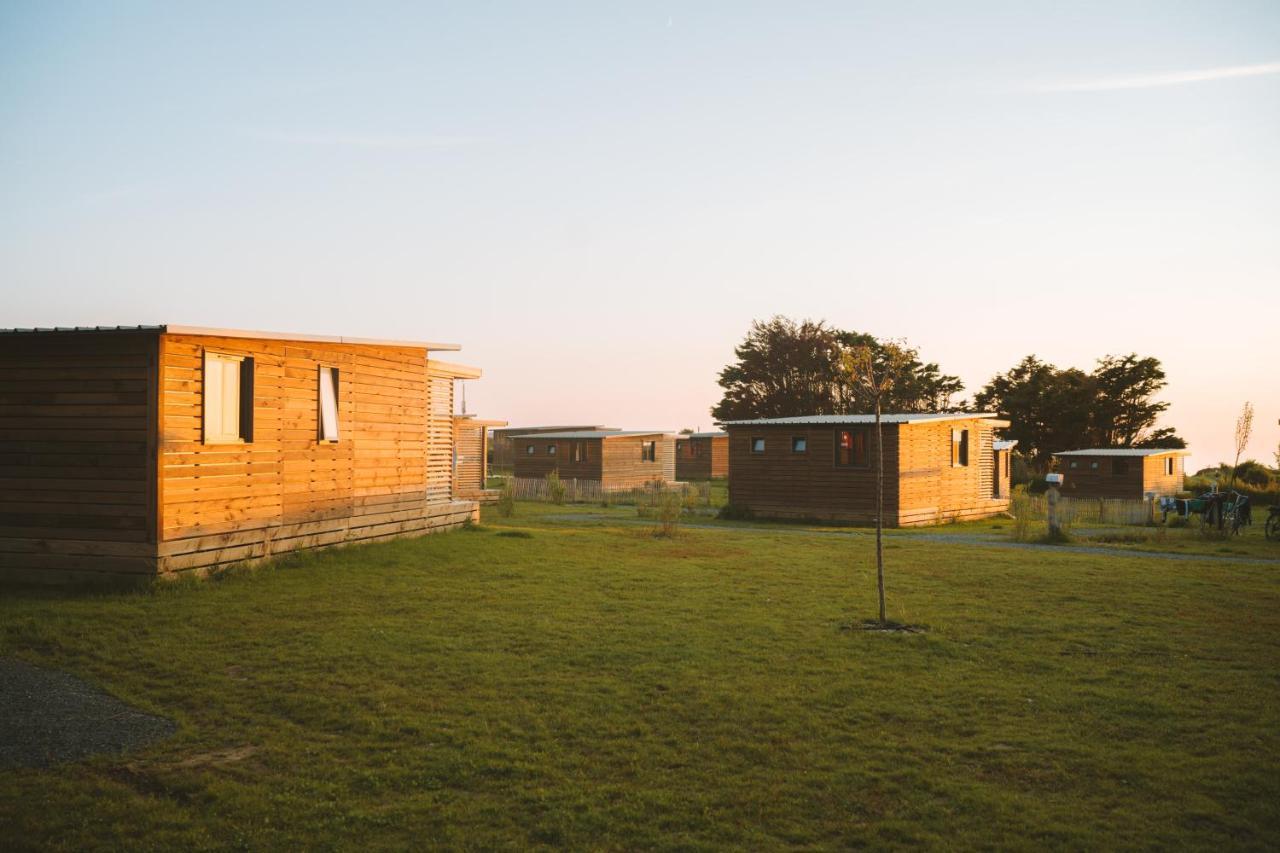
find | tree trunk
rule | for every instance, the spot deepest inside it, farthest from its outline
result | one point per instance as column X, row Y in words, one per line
column 879, row 510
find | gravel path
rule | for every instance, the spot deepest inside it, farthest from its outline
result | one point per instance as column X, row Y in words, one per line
column 48, row 717
column 977, row 539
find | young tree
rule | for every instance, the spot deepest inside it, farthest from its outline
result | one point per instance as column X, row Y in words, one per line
column 1244, row 429
column 872, row 376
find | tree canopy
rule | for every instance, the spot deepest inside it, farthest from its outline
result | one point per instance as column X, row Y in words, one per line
column 1053, row 409
column 785, row 368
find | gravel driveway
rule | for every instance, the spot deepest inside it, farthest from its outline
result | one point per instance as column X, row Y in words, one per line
column 48, row 717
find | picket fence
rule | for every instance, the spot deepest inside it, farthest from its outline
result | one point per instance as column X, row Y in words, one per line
column 1077, row 511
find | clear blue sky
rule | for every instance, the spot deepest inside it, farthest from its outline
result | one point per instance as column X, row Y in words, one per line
column 595, row 199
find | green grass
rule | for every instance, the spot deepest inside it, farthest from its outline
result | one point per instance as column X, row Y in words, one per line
column 588, row 685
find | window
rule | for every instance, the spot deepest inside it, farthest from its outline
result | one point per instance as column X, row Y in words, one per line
column 757, row 444
column 579, row 451
column 528, row 450
column 1007, row 457
column 959, row 448
column 1119, row 467
column 851, row 448
column 328, row 404
column 799, row 444
column 648, row 451
column 228, row 399
column 551, row 449
column 1093, row 466
column 1074, row 464
column 1168, row 466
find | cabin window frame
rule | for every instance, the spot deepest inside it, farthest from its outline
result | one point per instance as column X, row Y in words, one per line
column 649, row 451
column 756, row 445
column 1093, row 466
column 1168, row 467
column 959, row 448
column 325, row 435
column 215, row 424
column 579, row 450
column 853, row 463
column 799, row 444
column 1073, row 464
column 552, row 448
column 529, row 450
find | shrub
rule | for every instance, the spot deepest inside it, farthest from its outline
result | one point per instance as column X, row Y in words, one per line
column 555, row 488
column 669, row 507
column 507, row 498
column 1020, row 508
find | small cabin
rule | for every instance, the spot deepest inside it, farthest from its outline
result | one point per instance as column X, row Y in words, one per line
column 937, row 467
column 615, row 459
column 702, row 456
column 1121, row 472
column 157, row 450
column 504, row 447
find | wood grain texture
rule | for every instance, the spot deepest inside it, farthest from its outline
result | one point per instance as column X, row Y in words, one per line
column 1142, row 474
column 702, row 457
column 615, row 462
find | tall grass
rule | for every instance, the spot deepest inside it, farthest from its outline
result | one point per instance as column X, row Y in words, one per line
column 506, row 504
column 555, row 488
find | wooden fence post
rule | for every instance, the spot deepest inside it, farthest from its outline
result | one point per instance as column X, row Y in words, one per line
column 1051, row 497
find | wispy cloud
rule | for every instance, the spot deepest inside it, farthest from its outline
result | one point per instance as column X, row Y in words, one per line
column 370, row 141
column 1151, row 81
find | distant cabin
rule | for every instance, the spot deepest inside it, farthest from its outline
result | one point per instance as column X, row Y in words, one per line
column 937, row 467
column 503, row 440
column 615, row 459
column 1121, row 472
column 702, row 456
column 157, row 450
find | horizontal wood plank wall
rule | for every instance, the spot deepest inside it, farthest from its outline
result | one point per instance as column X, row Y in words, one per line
column 1085, row 481
column 389, row 475
column 76, row 455
column 469, row 461
column 932, row 489
column 541, row 463
column 624, row 468
column 780, row 483
column 1156, row 480
column 702, row 458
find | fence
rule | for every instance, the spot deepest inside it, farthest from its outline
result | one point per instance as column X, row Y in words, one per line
column 592, row 491
column 1076, row 511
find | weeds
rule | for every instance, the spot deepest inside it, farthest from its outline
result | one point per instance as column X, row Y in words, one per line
column 507, row 498
column 555, row 488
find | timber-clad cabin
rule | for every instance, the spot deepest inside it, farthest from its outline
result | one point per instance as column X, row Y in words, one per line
column 1121, row 472
column 156, row 450
column 504, row 448
column 616, row 459
column 937, row 467
column 702, row 456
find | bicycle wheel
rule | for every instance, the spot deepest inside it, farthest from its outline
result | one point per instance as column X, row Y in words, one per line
column 1273, row 528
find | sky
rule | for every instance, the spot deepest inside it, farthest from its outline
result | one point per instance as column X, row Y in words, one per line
column 596, row 199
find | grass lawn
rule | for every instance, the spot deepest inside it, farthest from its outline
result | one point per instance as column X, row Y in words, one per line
column 541, row 681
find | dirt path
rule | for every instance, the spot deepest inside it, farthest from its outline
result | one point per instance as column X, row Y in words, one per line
column 982, row 540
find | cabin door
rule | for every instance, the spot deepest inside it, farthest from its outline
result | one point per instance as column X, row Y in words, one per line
column 995, row 473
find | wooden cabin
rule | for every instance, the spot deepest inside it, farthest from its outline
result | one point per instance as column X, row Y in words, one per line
column 155, row 450
column 1121, row 472
column 616, row 459
column 471, row 457
column 937, row 467
column 503, row 441
column 702, row 456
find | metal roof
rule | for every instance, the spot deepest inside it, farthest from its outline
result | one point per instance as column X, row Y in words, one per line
column 702, row 435
column 1126, row 451
column 1004, row 444
column 594, row 433
column 513, row 432
column 235, row 333
column 895, row 418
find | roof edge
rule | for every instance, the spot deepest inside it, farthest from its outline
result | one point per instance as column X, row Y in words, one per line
column 297, row 336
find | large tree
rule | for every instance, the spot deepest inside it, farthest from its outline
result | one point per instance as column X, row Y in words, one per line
column 785, row 368
column 1053, row 409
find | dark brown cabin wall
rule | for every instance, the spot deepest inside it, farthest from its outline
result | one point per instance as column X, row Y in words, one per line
column 783, row 484
column 540, row 464
column 390, row 473
column 709, row 461
column 77, row 455
column 1084, row 481
column 932, row 489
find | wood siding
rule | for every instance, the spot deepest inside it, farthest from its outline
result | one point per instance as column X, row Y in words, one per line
column 77, row 455
column 702, row 458
column 615, row 462
column 1144, row 474
column 469, row 465
column 541, row 463
column 390, row 474
column 624, row 468
column 921, row 485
